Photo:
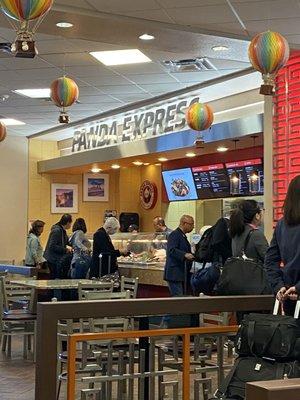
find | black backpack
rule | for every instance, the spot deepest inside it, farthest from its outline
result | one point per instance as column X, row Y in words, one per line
column 204, row 248
column 243, row 276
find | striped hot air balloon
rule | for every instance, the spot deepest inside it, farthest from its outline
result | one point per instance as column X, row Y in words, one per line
column 268, row 52
column 25, row 10
column 64, row 93
column 199, row 116
column 2, row 132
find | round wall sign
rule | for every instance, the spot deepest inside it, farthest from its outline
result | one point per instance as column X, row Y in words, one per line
column 148, row 195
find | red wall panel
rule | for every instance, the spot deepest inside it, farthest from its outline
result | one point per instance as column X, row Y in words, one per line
column 286, row 131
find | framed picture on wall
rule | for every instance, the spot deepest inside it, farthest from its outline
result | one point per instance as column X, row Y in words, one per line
column 95, row 187
column 64, row 198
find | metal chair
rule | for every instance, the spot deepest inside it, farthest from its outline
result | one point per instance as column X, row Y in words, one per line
column 130, row 284
column 94, row 287
column 15, row 323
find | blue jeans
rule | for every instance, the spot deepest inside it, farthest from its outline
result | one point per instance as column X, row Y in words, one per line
column 176, row 288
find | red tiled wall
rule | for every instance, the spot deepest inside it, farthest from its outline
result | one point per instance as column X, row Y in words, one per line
column 286, row 130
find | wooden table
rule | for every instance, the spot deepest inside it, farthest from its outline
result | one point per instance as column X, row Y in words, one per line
column 60, row 284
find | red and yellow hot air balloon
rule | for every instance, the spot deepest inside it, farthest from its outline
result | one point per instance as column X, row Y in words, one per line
column 64, row 93
column 268, row 52
column 199, row 116
column 25, row 16
column 2, row 132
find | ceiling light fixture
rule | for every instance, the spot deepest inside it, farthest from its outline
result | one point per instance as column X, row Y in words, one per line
column 222, row 149
column 146, row 36
column 11, row 121
column 120, row 57
column 146, row 164
column 190, row 155
column 162, row 159
column 95, row 170
column 158, row 164
column 220, row 48
column 34, row 93
column 137, row 163
column 64, row 24
column 115, row 166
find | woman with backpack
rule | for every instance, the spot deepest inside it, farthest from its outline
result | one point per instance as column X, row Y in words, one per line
column 81, row 250
column 283, row 257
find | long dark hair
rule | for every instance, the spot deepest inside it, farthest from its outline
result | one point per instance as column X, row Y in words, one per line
column 35, row 226
column 79, row 225
column 243, row 214
column 291, row 207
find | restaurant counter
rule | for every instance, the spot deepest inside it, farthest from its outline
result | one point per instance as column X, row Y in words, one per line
column 151, row 282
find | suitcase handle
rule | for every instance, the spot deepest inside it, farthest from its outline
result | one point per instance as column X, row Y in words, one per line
column 297, row 308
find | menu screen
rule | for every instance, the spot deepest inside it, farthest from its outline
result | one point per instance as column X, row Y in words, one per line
column 211, row 181
column 244, row 169
column 179, row 184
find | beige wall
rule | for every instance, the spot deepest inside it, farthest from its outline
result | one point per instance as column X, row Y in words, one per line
column 14, row 193
column 123, row 193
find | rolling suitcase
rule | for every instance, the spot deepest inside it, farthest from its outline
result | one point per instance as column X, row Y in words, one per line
column 109, row 277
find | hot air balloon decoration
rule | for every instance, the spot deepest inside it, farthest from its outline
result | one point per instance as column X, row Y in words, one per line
column 25, row 16
column 64, row 93
column 268, row 52
column 2, row 132
column 199, row 117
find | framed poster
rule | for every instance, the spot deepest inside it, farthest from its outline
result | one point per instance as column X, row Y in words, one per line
column 64, row 198
column 95, row 187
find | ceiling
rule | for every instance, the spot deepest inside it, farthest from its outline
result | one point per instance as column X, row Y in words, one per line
column 182, row 29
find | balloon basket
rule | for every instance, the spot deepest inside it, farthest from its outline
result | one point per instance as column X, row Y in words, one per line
column 64, row 118
column 267, row 90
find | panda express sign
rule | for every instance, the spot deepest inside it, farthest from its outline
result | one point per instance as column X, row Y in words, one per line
column 132, row 126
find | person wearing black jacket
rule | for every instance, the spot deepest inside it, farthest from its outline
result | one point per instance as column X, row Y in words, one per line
column 102, row 245
column 282, row 260
column 58, row 244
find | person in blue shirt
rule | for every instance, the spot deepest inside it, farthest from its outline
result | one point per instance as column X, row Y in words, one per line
column 282, row 261
column 179, row 257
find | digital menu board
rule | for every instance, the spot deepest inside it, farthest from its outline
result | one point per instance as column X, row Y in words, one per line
column 211, row 181
column 244, row 169
column 179, row 184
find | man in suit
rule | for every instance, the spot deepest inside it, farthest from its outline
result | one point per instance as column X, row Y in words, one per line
column 179, row 257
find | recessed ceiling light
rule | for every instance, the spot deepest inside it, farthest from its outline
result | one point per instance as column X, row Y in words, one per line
column 137, row 163
column 146, row 163
column 115, row 166
column 220, row 48
column 34, row 93
column 11, row 121
column 222, row 149
column 120, row 57
column 190, row 155
column 157, row 164
column 162, row 159
column 64, row 24
column 96, row 170
column 146, row 36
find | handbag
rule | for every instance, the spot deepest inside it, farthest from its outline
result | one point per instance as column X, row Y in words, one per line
column 254, row 369
column 272, row 336
column 243, row 276
column 205, row 279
